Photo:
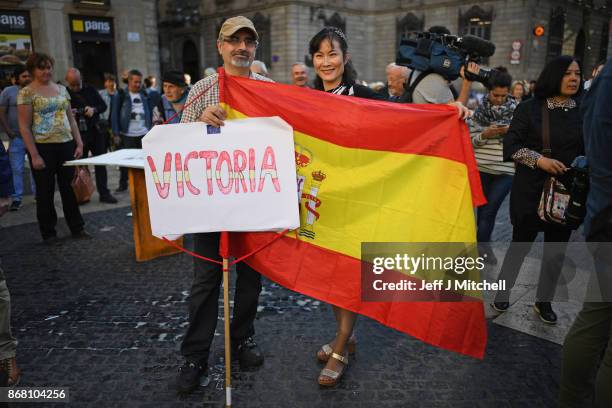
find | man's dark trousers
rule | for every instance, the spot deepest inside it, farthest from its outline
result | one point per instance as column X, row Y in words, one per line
column 128, row 142
column 97, row 144
column 204, row 300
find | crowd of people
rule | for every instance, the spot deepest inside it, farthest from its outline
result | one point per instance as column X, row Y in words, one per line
column 506, row 131
column 522, row 132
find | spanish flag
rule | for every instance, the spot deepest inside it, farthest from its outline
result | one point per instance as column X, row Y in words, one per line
column 368, row 171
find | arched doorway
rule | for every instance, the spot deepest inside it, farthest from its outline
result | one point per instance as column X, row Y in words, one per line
column 191, row 62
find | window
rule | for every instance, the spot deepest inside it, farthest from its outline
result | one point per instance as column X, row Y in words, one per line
column 264, row 53
column 603, row 46
column 93, row 3
column 555, row 35
column 476, row 22
column 408, row 24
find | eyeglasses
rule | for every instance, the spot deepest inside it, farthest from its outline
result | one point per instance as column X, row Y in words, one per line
column 235, row 41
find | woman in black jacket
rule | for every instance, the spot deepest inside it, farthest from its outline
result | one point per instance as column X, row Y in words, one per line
column 557, row 90
column 335, row 74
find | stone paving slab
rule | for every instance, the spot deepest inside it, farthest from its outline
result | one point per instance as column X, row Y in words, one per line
column 89, row 317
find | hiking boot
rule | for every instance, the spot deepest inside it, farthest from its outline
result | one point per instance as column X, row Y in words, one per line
column 546, row 313
column 190, row 377
column 247, row 353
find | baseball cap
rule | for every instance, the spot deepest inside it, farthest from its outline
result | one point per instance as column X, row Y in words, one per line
column 232, row 25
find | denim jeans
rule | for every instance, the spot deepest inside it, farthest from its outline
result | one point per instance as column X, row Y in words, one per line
column 17, row 154
column 496, row 188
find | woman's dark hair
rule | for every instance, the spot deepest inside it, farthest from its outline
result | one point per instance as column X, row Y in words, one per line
column 38, row 60
column 548, row 84
column 109, row 77
column 333, row 34
column 500, row 78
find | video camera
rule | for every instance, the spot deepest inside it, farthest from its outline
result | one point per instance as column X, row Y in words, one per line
column 445, row 54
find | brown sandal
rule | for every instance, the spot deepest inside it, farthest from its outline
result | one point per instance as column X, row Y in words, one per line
column 326, row 350
column 330, row 378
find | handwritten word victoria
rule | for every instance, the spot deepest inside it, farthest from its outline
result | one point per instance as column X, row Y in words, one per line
column 241, row 171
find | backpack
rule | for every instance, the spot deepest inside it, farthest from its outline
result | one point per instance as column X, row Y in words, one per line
column 409, row 89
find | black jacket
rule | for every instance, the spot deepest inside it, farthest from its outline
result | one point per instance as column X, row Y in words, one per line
column 87, row 96
column 526, row 132
column 358, row 90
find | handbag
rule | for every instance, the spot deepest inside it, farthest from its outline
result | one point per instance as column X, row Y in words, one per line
column 82, row 184
column 555, row 197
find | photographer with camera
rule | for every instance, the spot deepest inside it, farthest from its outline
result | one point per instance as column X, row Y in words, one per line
column 436, row 58
column 87, row 104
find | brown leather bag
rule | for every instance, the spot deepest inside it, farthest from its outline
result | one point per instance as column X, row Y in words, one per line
column 82, row 184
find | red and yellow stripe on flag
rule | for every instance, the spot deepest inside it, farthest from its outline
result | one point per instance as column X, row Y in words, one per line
column 368, row 171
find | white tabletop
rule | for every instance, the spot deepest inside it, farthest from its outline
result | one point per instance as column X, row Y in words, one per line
column 125, row 158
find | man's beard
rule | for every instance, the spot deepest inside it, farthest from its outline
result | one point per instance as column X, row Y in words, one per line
column 241, row 63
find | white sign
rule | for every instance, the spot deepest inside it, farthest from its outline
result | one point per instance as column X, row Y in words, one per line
column 515, row 57
column 133, row 36
column 516, row 45
column 123, row 158
column 240, row 177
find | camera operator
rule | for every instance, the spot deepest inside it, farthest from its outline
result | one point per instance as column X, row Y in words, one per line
column 431, row 88
column 431, row 73
column 87, row 104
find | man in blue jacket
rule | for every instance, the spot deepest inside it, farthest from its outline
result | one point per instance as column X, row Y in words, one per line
column 131, row 118
column 586, row 377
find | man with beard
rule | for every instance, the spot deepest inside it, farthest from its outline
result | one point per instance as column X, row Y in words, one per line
column 237, row 44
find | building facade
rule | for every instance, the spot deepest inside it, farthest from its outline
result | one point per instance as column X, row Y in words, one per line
column 188, row 30
column 96, row 36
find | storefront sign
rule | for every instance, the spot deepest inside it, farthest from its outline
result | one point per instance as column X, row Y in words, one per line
column 14, row 22
column 91, row 26
column 15, row 42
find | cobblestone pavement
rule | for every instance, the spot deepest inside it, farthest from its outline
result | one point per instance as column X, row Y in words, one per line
column 88, row 317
